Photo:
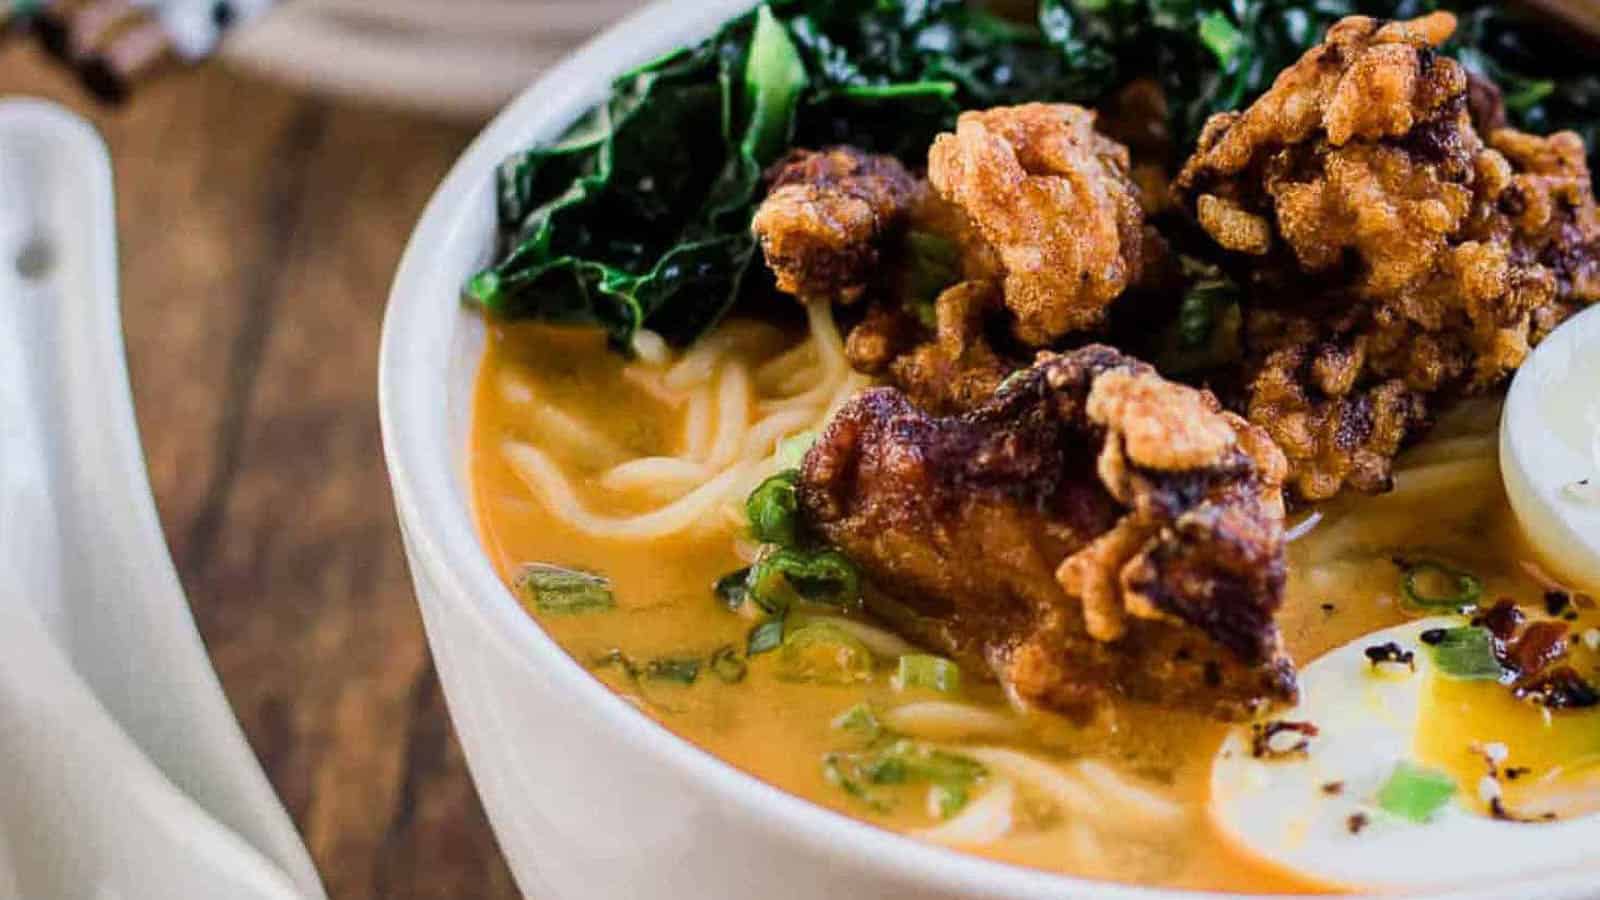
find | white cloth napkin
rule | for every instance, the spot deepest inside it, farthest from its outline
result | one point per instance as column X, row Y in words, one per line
column 123, row 773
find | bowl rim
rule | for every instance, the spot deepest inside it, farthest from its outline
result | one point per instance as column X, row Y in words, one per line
column 445, row 542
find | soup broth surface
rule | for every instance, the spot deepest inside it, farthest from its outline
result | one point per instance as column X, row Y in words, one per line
column 590, row 411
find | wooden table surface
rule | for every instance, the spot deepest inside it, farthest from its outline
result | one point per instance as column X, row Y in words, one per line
column 259, row 230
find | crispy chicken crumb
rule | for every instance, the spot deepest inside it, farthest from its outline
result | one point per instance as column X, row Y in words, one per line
column 1398, row 255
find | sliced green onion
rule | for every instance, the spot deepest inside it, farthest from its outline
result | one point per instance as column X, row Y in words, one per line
column 730, row 590
column 785, row 575
column 792, row 449
column 679, row 670
column 1465, row 653
column 923, row 670
column 765, row 637
column 1459, row 589
column 905, row 762
column 774, row 510
column 883, row 768
column 1415, row 793
column 727, row 665
column 923, row 763
column 834, row 769
column 616, row 658
column 557, row 591
column 860, row 721
column 945, row 800
column 824, row 653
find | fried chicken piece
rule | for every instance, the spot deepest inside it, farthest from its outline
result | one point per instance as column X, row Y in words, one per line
column 1054, row 199
column 825, row 216
column 948, row 368
column 1092, row 531
column 939, row 354
column 958, row 369
column 1396, row 255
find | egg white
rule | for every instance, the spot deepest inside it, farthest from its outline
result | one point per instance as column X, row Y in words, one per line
column 1280, row 809
column 1550, row 445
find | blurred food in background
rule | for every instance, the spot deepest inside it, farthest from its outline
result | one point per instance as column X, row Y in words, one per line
column 455, row 57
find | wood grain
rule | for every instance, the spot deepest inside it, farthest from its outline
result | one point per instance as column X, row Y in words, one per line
column 259, row 231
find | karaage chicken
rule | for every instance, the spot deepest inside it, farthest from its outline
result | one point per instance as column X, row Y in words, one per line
column 1090, row 531
column 1394, row 255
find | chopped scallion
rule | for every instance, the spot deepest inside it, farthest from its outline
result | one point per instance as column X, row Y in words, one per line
column 834, row 770
column 949, row 776
column 727, row 665
column 1415, row 793
column 861, row 721
column 824, row 653
column 922, row 670
column 557, row 591
column 923, row 763
column 945, row 800
column 773, row 509
column 1464, row 653
column 679, row 670
column 765, row 637
column 1437, row 586
column 783, row 575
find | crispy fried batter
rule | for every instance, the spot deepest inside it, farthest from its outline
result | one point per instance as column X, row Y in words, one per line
column 1397, row 256
column 957, row 370
column 1055, row 200
column 826, row 214
column 1092, row 531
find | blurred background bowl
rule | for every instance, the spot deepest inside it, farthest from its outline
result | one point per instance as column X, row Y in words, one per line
column 457, row 58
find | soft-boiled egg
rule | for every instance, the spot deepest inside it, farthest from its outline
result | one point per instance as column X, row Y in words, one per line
column 1389, row 777
column 1550, row 449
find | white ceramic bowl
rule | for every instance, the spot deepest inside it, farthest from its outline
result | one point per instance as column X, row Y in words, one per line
column 589, row 798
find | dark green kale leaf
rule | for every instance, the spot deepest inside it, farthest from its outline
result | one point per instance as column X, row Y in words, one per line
column 640, row 216
column 889, row 76
column 1211, row 56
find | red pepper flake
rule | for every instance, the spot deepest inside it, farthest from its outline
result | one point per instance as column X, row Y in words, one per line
column 1333, row 788
column 1357, row 822
column 1266, row 745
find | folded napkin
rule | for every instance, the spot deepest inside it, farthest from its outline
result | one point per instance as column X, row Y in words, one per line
column 123, row 773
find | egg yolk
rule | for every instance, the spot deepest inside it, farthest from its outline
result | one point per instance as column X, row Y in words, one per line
column 1551, row 759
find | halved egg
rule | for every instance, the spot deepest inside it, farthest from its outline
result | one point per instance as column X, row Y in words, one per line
column 1392, row 775
column 1550, row 449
